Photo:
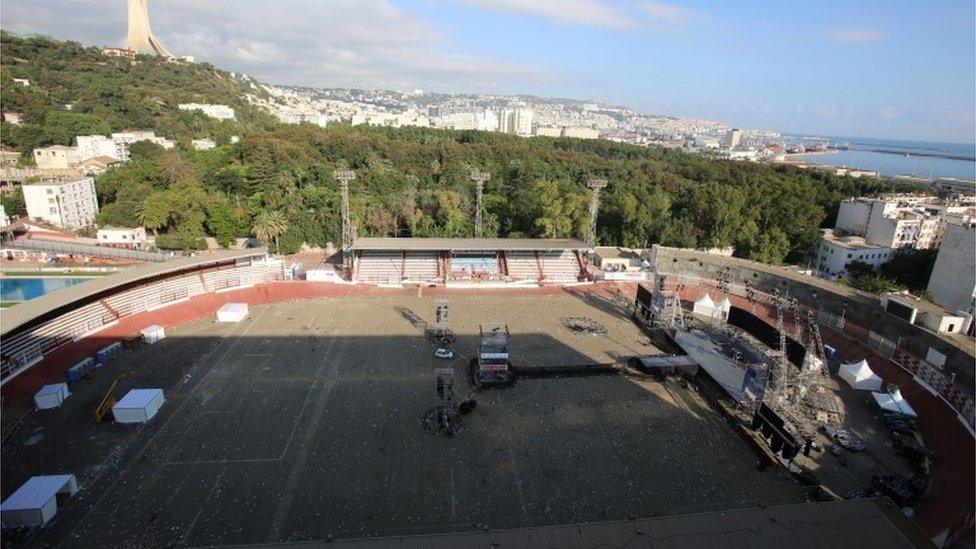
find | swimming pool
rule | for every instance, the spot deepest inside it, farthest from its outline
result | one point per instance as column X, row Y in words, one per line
column 21, row 289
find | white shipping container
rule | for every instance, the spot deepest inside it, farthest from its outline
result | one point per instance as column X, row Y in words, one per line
column 51, row 396
column 232, row 312
column 153, row 333
column 138, row 406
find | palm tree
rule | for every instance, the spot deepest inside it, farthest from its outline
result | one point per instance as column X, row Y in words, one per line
column 154, row 212
column 270, row 226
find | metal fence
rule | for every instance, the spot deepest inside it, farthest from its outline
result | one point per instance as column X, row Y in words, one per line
column 54, row 246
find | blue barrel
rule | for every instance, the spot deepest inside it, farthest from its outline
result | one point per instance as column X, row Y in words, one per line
column 81, row 369
column 830, row 352
column 107, row 353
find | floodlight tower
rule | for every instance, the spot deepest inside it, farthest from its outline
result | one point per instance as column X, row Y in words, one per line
column 479, row 179
column 344, row 177
column 594, row 183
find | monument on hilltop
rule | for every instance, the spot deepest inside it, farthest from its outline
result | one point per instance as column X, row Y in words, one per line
column 140, row 38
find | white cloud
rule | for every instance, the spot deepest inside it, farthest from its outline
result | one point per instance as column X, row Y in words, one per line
column 635, row 15
column 343, row 43
column 669, row 14
column 587, row 13
column 855, row 35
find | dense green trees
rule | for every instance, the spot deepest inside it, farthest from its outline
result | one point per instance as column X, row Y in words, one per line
column 907, row 270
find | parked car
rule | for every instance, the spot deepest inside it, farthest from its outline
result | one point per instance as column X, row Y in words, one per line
column 444, row 353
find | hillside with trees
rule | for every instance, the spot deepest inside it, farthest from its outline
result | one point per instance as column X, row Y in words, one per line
column 277, row 184
column 110, row 94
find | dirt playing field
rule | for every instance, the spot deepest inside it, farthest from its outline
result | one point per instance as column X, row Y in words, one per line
column 302, row 423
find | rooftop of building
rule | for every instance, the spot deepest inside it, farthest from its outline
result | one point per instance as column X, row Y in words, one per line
column 467, row 244
column 616, row 252
column 57, row 182
column 849, row 241
column 55, row 148
column 922, row 305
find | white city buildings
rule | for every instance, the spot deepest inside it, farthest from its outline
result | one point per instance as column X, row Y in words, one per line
column 203, row 144
column 516, row 120
column 122, row 237
column 70, row 204
column 953, row 280
column 103, row 149
column 837, row 252
column 900, row 221
column 134, row 136
column 220, row 112
column 56, row 157
column 733, row 138
column 92, row 146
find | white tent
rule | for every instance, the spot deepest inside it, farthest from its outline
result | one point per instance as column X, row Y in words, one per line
column 232, row 312
column 725, row 306
column 51, row 396
column 36, row 502
column 138, row 406
column 860, row 376
column 706, row 306
column 894, row 402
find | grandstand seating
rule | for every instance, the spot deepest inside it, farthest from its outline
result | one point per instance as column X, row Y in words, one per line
column 420, row 266
column 561, row 266
column 522, row 265
column 381, row 267
column 26, row 348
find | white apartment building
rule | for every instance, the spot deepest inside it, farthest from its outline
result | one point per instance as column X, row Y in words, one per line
column 133, row 136
column 517, row 121
column 56, row 157
column 220, row 112
column 899, row 221
column 581, row 133
column 733, row 138
column 122, row 237
column 837, row 252
column 203, row 144
column 4, row 220
column 548, row 131
column 69, row 204
column 953, row 280
column 92, row 146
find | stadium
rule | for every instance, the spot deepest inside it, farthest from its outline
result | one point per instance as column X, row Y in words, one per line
column 302, row 419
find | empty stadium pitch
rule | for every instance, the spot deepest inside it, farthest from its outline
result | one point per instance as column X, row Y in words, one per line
column 303, row 422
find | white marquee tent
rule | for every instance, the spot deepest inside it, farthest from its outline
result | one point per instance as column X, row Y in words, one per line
column 36, row 501
column 706, row 306
column 894, row 402
column 860, row 376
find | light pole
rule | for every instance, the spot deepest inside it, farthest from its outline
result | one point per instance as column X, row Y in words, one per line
column 479, row 179
column 344, row 177
column 595, row 184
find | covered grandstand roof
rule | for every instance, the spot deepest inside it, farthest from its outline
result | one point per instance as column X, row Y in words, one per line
column 466, row 244
column 13, row 318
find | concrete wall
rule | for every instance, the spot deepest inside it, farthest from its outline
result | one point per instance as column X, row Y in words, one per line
column 953, row 281
column 855, row 307
column 853, row 217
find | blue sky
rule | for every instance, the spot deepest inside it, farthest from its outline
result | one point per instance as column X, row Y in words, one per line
column 890, row 69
